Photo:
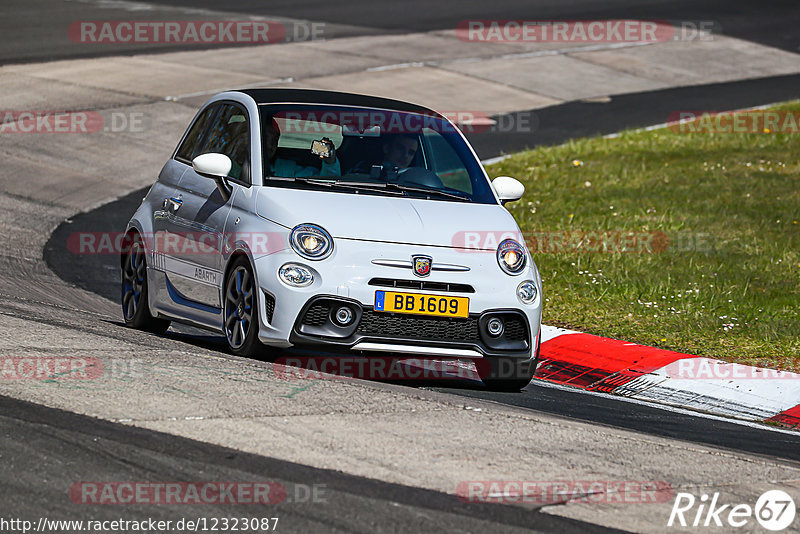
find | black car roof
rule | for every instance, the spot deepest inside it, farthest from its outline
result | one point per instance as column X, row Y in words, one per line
column 315, row 96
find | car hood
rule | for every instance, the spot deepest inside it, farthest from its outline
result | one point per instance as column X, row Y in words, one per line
column 390, row 219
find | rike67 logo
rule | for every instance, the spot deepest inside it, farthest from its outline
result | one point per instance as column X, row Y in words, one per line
column 774, row 510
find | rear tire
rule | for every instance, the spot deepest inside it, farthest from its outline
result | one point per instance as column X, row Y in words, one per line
column 134, row 298
column 240, row 310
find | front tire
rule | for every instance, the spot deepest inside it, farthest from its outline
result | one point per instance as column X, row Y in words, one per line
column 508, row 374
column 135, row 302
column 240, row 310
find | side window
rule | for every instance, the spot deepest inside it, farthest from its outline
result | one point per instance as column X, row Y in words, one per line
column 230, row 135
column 189, row 149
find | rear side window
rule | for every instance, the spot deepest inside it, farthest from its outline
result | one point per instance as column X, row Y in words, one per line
column 229, row 134
column 189, row 149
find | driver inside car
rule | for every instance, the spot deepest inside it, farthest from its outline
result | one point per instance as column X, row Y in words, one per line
column 399, row 151
column 289, row 168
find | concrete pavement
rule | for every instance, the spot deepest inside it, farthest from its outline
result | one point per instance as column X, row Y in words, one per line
column 435, row 68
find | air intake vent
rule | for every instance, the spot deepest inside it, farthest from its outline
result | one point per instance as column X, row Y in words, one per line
column 422, row 285
column 515, row 329
column 317, row 315
column 269, row 304
column 410, row 327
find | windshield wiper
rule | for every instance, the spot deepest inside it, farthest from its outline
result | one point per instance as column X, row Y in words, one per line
column 389, row 188
column 394, row 187
column 372, row 186
column 304, row 179
column 428, row 191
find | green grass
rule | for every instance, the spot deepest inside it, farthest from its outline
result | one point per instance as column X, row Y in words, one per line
column 726, row 284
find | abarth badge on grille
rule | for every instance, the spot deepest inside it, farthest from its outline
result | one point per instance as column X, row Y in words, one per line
column 422, row 265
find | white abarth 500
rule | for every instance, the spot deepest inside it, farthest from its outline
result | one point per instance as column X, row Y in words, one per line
column 337, row 221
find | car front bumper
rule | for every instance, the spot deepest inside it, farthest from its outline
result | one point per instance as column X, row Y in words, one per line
column 302, row 316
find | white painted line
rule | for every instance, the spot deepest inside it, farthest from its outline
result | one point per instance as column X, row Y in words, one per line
column 690, row 383
column 665, row 407
column 538, row 53
column 396, row 66
column 496, row 159
column 761, row 397
column 550, row 332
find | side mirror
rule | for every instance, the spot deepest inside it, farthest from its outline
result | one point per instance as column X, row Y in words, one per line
column 508, row 189
column 217, row 167
column 212, row 165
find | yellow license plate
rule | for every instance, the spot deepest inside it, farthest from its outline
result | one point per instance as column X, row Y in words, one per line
column 419, row 304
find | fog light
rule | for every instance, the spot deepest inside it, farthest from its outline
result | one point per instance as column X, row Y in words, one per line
column 495, row 327
column 344, row 316
column 527, row 292
column 296, row 275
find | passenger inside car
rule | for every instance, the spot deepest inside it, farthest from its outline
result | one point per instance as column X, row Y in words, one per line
column 285, row 167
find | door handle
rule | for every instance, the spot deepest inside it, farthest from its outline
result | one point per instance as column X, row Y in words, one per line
column 176, row 202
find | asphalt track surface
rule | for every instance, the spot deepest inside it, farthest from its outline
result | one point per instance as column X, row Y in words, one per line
column 736, row 18
column 37, row 30
column 556, row 124
column 42, row 444
column 99, row 273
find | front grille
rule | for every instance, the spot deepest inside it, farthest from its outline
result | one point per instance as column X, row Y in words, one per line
column 410, row 327
column 316, row 322
column 269, row 304
column 424, row 285
column 317, row 314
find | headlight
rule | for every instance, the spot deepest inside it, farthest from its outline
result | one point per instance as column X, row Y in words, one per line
column 511, row 256
column 311, row 241
column 527, row 292
column 296, row 275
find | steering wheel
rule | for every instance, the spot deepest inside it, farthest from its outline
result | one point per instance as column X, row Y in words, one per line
column 420, row 176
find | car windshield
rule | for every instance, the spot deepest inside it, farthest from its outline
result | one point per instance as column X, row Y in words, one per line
column 369, row 151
